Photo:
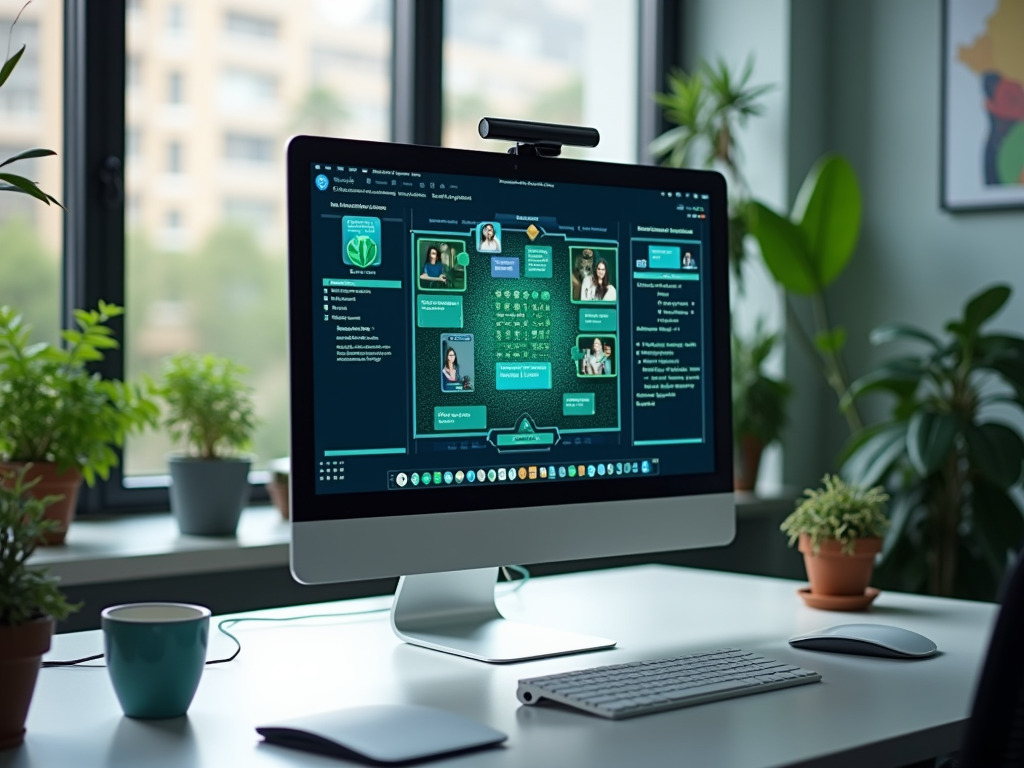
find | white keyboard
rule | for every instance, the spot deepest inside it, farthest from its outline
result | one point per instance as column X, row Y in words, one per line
column 642, row 687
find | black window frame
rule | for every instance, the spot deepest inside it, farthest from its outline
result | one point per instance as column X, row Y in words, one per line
column 94, row 152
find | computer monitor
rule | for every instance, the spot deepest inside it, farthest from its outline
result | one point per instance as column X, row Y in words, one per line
column 501, row 359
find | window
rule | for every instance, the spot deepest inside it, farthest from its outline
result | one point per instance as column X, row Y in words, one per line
column 132, row 74
column 175, row 18
column 240, row 147
column 132, row 142
column 174, row 163
column 175, row 88
column 240, row 24
column 580, row 66
column 31, row 115
column 205, row 252
column 242, row 90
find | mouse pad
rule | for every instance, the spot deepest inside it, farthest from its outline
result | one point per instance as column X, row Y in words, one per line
column 391, row 733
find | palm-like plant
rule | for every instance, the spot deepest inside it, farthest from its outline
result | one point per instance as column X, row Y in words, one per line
column 950, row 464
column 707, row 107
column 12, row 182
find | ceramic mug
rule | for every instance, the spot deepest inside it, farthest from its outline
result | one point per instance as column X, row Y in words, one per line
column 155, row 655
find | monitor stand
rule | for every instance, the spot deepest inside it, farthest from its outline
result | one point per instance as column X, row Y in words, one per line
column 455, row 612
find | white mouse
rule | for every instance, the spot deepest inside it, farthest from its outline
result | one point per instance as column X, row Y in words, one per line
column 868, row 640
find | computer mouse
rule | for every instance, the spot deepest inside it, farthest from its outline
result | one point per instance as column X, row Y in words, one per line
column 868, row 640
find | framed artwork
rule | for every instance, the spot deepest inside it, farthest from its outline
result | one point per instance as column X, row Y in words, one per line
column 982, row 104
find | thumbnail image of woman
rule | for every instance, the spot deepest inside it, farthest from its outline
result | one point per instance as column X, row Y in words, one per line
column 433, row 269
column 488, row 240
column 596, row 286
column 596, row 362
column 450, row 376
column 688, row 262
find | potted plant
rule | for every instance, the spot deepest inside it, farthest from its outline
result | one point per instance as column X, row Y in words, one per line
column 840, row 529
column 949, row 450
column 29, row 601
column 59, row 416
column 209, row 409
column 758, row 404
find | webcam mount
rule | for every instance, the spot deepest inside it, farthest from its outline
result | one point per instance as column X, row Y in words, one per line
column 537, row 139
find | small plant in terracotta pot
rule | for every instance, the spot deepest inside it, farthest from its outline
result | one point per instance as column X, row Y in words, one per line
column 29, row 601
column 59, row 415
column 839, row 528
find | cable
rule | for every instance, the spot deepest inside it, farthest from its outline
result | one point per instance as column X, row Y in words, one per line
column 224, row 625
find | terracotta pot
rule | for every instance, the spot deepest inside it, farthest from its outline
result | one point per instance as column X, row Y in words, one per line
column 748, row 461
column 831, row 572
column 51, row 483
column 21, row 649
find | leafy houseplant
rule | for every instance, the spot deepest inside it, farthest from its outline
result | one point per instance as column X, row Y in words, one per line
column 59, row 416
column 839, row 528
column 758, row 404
column 950, row 463
column 806, row 251
column 707, row 107
column 29, row 602
column 209, row 409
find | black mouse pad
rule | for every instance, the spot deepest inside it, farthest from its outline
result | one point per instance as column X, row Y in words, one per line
column 392, row 733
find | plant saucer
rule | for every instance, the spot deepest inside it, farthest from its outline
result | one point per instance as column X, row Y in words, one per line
column 838, row 602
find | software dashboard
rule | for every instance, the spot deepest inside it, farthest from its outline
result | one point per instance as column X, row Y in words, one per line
column 479, row 330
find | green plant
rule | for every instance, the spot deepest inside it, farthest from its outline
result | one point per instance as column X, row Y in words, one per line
column 950, row 462
column 210, row 408
column 806, row 251
column 25, row 593
column 758, row 401
column 53, row 409
column 707, row 107
column 10, row 182
column 839, row 511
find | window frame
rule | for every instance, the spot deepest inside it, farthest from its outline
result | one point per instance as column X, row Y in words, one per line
column 94, row 152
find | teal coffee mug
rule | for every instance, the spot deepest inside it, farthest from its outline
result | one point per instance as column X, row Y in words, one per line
column 155, row 655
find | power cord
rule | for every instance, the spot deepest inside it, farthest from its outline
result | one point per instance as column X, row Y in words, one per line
column 224, row 625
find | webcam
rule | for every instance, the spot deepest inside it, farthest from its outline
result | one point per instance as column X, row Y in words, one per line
column 537, row 139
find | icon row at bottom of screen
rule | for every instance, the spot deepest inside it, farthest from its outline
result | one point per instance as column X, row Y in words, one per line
column 507, row 474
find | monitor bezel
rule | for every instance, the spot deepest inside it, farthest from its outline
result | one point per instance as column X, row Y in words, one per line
column 308, row 506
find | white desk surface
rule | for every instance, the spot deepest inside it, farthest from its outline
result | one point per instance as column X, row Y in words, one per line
column 867, row 711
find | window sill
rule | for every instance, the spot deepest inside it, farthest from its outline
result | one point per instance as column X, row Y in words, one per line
column 150, row 546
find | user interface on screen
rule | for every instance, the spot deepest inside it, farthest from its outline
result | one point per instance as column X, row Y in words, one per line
column 474, row 330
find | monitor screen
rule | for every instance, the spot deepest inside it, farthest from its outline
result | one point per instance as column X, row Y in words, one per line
column 481, row 335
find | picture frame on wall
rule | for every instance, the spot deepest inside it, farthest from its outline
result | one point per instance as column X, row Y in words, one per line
column 982, row 105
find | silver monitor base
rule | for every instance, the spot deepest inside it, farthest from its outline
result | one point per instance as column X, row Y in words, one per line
column 455, row 612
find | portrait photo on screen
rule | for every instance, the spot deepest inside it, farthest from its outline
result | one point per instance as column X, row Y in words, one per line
column 689, row 260
column 457, row 362
column 488, row 237
column 440, row 267
column 595, row 355
column 593, row 275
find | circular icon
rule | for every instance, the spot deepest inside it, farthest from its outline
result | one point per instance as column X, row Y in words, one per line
column 600, row 470
column 591, row 470
column 545, row 295
column 492, row 475
column 448, row 477
column 480, row 475
column 426, row 478
column 572, row 471
column 321, row 182
column 463, row 259
column 512, row 473
column 470, row 476
column 522, row 473
column 415, row 478
column 535, row 295
column 561, row 471
column 401, row 479
column 460, row 476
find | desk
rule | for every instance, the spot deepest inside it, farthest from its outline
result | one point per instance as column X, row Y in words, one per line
column 867, row 711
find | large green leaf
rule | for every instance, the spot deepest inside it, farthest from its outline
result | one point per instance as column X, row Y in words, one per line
column 827, row 210
column 888, row 332
column 784, row 250
column 10, row 64
column 984, row 305
column 24, row 185
column 930, row 439
column 872, row 459
column 28, row 154
column 901, row 377
column 996, row 451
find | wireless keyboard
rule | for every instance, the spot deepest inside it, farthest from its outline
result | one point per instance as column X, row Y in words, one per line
column 643, row 687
